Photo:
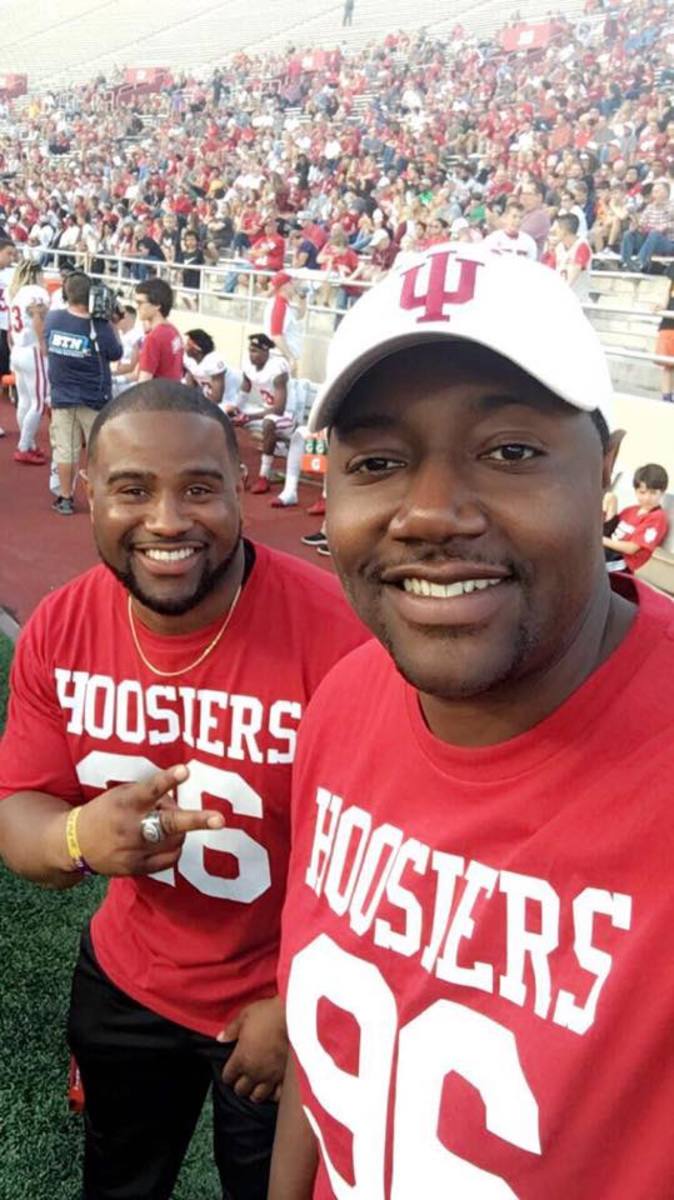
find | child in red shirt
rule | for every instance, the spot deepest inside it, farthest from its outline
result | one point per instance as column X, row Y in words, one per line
column 644, row 525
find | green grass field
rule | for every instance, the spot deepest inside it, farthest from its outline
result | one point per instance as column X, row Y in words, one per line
column 40, row 1140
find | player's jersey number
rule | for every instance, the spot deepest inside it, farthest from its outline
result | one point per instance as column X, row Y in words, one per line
column 16, row 319
column 446, row 1037
column 100, row 771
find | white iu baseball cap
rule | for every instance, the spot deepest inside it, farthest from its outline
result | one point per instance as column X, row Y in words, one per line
column 460, row 292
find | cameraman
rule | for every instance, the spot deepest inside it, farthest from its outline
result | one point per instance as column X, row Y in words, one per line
column 80, row 349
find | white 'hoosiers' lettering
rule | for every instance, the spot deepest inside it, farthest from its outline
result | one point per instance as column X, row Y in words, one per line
column 443, row 1039
column 100, row 770
column 592, row 901
column 521, row 941
column 367, row 873
column 214, row 722
column 407, row 940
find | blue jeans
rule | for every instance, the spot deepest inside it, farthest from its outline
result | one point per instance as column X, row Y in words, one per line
column 644, row 246
column 655, row 243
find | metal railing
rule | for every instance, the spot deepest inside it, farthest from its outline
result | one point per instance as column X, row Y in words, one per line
column 230, row 283
column 122, row 272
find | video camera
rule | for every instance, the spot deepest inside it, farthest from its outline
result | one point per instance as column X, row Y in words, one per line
column 104, row 303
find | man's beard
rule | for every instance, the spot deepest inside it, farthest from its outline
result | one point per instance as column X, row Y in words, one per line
column 210, row 579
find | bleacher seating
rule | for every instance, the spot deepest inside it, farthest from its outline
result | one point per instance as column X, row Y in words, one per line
column 646, row 295
column 76, row 39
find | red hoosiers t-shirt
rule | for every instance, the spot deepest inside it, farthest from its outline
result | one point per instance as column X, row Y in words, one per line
column 477, row 945
column 196, row 942
column 162, row 352
column 647, row 530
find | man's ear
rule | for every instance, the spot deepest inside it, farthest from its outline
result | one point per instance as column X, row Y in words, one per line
column 610, row 456
column 89, row 489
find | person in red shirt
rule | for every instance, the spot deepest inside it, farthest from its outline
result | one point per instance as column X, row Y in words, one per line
column 268, row 251
column 153, row 717
column 479, row 903
column 161, row 354
column 640, row 529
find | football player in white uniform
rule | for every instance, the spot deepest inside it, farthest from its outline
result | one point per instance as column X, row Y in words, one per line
column 266, row 374
column 28, row 304
column 7, row 256
column 206, row 368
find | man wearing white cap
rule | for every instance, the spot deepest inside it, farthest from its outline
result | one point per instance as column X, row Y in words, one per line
column 477, row 935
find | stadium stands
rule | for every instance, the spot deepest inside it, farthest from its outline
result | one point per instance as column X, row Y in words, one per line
column 76, row 39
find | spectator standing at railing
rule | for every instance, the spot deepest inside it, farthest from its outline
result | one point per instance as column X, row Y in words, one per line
column 284, row 318
column 193, row 263
column 161, row 355
column 651, row 231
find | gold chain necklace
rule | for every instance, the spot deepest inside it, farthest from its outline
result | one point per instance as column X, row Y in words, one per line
column 204, row 654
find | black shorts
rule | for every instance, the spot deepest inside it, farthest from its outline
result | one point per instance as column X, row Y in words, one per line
column 4, row 352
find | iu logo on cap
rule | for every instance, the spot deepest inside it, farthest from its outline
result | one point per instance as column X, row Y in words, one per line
column 462, row 275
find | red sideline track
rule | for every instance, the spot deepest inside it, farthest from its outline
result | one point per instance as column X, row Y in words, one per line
column 40, row 550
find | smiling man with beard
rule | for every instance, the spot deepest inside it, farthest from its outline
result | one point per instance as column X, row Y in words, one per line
column 154, row 709
column 476, row 954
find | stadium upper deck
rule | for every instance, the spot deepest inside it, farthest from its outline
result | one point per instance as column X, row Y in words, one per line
column 75, row 39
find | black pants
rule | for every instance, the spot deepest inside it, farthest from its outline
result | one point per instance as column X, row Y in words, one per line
column 145, row 1081
column 4, row 352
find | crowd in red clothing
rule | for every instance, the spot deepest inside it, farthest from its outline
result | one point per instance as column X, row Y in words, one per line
column 345, row 160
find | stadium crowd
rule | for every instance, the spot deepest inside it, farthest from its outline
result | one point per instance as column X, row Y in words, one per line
column 334, row 167
column 345, row 160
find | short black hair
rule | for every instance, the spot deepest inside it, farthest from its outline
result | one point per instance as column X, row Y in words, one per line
column 5, row 242
column 569, row 223
column 653, row 476
column 202, row 339
column 130, row 310
column 163, row 395
column 158, row 292
column 260, row 341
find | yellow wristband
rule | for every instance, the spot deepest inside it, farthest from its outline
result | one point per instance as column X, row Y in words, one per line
column 79, row 863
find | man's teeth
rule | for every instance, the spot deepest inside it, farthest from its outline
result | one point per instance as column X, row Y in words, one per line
column 463, row 587
column 170, row 555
